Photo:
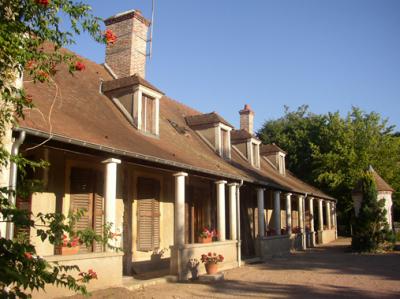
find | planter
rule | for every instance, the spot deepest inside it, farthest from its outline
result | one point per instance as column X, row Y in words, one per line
column 205, row 240
column 64, row 250
column 211, row 268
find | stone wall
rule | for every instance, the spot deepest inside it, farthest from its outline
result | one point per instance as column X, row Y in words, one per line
column 273, row 246
column 108, row 267
column 180, row 256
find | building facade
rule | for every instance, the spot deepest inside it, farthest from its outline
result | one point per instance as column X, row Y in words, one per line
column 159, row 172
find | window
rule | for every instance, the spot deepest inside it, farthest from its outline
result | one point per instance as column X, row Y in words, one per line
column 148, row 214
column 86, row 189
column 148, row 114
column 281, row 164
column 225, row 144
column 255, row 151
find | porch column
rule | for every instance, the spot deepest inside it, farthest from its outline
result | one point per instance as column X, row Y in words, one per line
column 232, row 211
column 301, row 222
column 312, row 230
column 179, row 219
column 335, row 219
column 289, row 213
column 328, row 215
column 320, row 216
column 277, row 214
column 260, row 204
column 110, row 193
column 221, row 209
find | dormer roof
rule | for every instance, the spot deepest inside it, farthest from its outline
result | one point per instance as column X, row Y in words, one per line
column 206, row 119
column 272, row 148
column 126, row 82
column 239, row 136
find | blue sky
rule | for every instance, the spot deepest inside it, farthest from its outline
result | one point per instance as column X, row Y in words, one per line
column 217, row 55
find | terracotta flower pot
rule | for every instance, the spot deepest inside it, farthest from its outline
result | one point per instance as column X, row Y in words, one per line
column 205, row 240
column 65, row 250
column 211, row 268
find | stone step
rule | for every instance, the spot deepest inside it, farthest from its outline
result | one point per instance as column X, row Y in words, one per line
column 132, row 284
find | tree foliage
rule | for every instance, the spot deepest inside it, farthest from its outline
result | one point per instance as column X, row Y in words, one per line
column 31, row 37
column 332, row 152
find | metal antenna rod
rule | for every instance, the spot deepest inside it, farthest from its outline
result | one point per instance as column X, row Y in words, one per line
column 151, row 28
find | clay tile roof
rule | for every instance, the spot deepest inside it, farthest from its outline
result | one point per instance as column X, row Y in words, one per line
column 270, row 149
column 206, row 119
column 240, row 135
column 115, row 84
column 380, row 183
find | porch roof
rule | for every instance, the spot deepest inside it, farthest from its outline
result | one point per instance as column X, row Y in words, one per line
column 80, row 113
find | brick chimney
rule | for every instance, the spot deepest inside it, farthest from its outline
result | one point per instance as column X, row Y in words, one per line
column 247, row 119
column 127, row 56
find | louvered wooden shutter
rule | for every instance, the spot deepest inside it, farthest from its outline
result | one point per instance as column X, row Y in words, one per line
column 148, row 214
column 23, row 204
column 98, row 212
column 81, row 198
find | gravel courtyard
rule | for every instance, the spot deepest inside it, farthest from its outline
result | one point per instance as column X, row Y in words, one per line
column 324, row 272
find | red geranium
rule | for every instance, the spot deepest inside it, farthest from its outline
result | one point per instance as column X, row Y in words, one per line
column 79, row 66
column 110, row 36
column 212, row 258
column 43, row 2
column 28, row 255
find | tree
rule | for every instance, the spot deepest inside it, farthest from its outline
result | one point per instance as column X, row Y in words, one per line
column 31, row 39
column 332, row 152
column 371, row 228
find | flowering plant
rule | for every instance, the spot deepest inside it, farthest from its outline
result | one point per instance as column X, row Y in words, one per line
column 208, row 233
column 72, row 242
column 212, row 258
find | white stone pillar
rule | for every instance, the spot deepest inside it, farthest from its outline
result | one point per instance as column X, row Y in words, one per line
column 312, row 229
column 311, row 207
column 289, row 213
column 320, row 216
column 110, row 194
column 7, row 142
column 277, row 210
column 261, row 219
column 221, row 209
column 232, row 211
column 301, row 214
column 179, row 219
column 328, row 214
column 335, row 219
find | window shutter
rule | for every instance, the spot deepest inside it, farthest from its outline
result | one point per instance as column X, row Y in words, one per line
column 148, row 214
column 98, row 212
column 23, row 204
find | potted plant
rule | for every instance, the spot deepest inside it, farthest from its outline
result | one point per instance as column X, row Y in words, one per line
column 68, row 246
column 206, row 235
column 211, row 261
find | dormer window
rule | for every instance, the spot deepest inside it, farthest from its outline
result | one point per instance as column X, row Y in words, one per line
column 275, row 155
column 138, row 100
column 214, row 130
column 248, row 146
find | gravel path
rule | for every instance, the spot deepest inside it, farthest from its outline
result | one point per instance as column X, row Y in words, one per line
column 325, row 272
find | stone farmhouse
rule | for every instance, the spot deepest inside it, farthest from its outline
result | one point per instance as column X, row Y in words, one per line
column 159, row 171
